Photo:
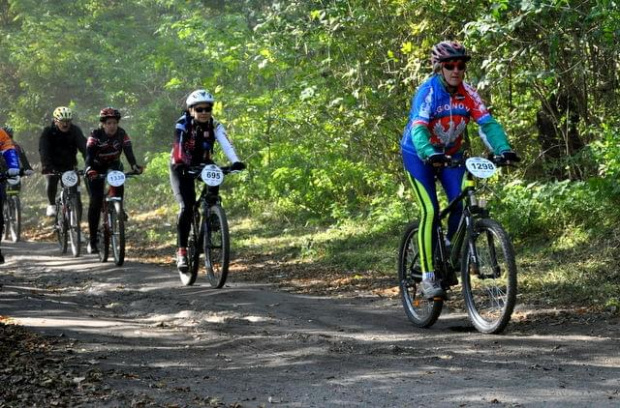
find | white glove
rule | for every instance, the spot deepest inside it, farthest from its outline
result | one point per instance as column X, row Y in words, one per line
column 28, row 172
column 13, row 172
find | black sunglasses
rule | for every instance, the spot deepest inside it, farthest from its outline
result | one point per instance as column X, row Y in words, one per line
column 203, row 109
column 451, row 65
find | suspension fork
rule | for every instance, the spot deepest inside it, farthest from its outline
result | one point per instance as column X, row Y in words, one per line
column 474, row 267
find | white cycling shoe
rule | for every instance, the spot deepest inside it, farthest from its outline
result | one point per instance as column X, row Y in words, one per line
column 51, row 211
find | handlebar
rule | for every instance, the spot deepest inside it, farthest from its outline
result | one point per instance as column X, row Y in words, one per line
column 59, row 173
column 451, row 162
column 195, row 170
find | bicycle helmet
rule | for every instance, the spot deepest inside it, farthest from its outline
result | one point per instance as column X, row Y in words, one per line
column 62, row 113
column 448, row 50
column 199, row 96
column 109, row 113
column 8, row 130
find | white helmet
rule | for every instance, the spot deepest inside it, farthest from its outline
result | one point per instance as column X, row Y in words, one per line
column 199, row 96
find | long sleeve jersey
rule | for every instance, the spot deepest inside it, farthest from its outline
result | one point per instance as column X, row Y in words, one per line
column 103, row 150
column 438, row 119
column 194, row 142
column 59, row 150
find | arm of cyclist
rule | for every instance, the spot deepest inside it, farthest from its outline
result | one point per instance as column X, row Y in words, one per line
column 228, row 148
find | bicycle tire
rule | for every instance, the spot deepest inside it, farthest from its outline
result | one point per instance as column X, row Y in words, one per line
column 490, row 290
column 117, row 233
column 194, row 248
column 13, row 218
column 17, row 235
column 5, row 214
column 216, row 246
column 420, row 311
column 73, row 220
column 103, row 234
column 61, row 228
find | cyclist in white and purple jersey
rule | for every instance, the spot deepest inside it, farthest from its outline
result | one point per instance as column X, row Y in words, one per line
column 441, row 109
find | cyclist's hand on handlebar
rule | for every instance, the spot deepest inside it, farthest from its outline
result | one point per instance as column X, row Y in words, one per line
column 238, row 166
column 137, row 168
column 28, row 172
column 438, row 160
column 91, row 173
column 508, row 156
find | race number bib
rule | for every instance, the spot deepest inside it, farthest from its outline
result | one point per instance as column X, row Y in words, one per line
column 212, row 175
column 69, row 178
column 479, row 167
column 116, row 178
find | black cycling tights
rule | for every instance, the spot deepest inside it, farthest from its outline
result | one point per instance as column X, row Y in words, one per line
column 185, row 194
column 51, row 187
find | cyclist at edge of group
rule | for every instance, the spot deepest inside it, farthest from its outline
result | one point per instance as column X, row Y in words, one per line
column 24, row 163
column 195, row 135
column 441, row 108
column 58, row 146
column 103, row 152
column 12, row 163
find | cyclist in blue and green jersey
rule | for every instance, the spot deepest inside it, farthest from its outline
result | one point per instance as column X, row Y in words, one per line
column 441, row 109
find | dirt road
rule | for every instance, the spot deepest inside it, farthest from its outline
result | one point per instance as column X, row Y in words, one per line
column 157, row 343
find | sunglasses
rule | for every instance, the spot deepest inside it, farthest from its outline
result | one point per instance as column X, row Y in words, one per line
column 64, row 122
column 203, row 109
column 451, row 65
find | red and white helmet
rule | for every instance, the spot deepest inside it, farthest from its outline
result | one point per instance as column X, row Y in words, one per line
column 199, row 96
column 109, row 113
column 448, row 50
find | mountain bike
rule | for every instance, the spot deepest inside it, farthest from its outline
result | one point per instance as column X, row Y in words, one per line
column 69, row 213
column 111, row 230
column 480, row 248
column 209, row 235
column 12, row 210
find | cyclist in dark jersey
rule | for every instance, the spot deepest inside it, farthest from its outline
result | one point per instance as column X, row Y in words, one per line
column 440, row 111
column 58, row 146
column 103, row 152
column 195, row 136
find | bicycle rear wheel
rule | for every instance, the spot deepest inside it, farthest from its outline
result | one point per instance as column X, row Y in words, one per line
column 194, row 248
column 73, row 220
column 421, row 312
column 216, row 246
column 117, row 232
column 489, row 279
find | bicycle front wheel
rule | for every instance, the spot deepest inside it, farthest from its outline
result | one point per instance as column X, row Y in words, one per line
column 14, row 220
column 73, row 221
column 421, row 312
column 216, row 246
column 489, row 277
column 117, row 233
column 103, row 234
column 194, row 248
column 60, row 225
column 6, row 212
